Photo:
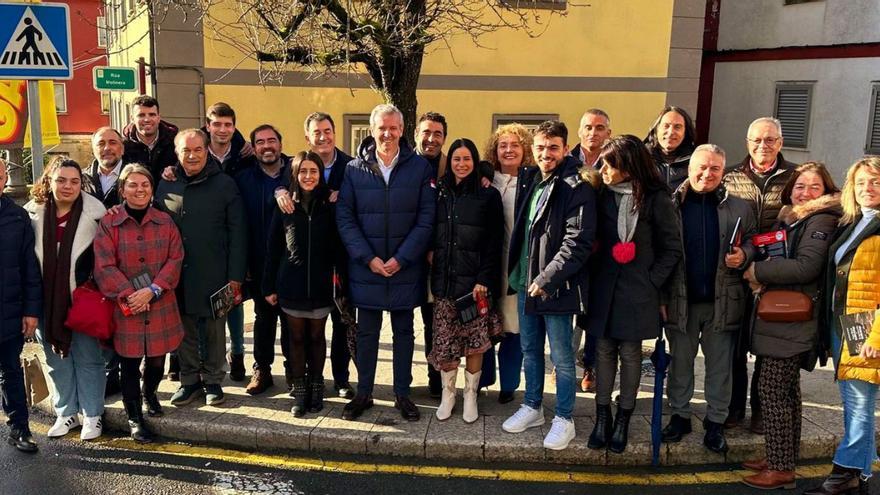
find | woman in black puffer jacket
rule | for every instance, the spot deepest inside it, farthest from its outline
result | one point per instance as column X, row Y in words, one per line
column 466, row 261
column 302, row 252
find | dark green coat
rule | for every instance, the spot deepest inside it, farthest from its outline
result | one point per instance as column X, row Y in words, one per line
column 730, row 290
column 210, row 215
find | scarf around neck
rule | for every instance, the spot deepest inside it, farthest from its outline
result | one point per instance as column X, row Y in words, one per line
column 56, row 274
column 627, row 215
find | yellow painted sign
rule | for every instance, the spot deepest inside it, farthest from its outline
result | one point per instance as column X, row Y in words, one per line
column 14, row 127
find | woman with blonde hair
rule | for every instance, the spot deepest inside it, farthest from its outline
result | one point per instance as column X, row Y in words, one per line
column 853, row 286
column 508, row 150
column 65, row 222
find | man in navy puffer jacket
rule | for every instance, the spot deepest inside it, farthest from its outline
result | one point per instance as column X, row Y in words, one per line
column 21, row 298
column 385, row 216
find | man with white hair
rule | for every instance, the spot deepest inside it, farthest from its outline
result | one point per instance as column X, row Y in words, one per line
column 385, row 216
column 759, row 179
column 706, row 297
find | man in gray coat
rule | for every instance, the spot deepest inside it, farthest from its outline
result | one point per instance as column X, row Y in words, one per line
column 207, row 208
column 706, row 296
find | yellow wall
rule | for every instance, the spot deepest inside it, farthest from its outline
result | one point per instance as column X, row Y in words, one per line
column 469, row 113
column 620, row 38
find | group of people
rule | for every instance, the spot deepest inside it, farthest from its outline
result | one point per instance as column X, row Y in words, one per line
column 531, row 242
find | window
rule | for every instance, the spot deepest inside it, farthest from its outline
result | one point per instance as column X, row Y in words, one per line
column 792, row 108
column 357, row 128
column 873, row 145
column 530, row 120
column 105, row 102
column 60, row 98
column 102, row 31
column 536, row 4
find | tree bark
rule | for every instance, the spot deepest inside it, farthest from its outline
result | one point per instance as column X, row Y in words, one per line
column 402, row 76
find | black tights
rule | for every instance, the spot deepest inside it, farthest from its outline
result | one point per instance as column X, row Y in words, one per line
column 154, row 368
column 306, row 334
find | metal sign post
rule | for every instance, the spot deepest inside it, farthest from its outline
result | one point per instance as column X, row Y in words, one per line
column 34, row 117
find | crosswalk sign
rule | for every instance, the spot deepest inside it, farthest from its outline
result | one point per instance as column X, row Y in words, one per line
column 35, row 41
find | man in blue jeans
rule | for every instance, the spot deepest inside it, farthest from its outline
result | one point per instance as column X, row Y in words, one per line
column 21, row 300
column 553, row 233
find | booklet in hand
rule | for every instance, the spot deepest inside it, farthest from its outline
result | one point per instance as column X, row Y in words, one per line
column 855, row 328
column 470, row 309
column 224, row 300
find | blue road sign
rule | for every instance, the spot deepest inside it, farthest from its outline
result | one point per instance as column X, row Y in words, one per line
column 35, row 41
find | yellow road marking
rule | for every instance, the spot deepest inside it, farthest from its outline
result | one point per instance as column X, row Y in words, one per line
column 354, row 467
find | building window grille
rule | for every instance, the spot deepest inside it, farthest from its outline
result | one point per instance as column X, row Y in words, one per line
column 792, row 108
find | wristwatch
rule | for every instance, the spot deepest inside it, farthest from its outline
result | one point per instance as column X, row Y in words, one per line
column 157, row 291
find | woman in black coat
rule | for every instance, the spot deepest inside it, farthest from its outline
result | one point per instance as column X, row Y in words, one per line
column 638, row 247
column 303, row 250
column 466, row 264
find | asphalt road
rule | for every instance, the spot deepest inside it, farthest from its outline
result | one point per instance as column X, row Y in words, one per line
column 117, row 466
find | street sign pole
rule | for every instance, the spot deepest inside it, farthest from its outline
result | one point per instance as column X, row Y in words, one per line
column 33, row 93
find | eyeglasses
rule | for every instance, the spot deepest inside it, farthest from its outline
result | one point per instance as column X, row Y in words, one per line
column 769, row 141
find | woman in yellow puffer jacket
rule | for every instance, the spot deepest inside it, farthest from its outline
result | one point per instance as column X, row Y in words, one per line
column 854, row 287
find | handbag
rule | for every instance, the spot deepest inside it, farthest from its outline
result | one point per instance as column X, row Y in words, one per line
column 785, row 306
column 35, row 386
column 91, row 313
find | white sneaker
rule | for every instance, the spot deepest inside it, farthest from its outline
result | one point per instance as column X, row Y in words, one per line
column 62, row 426
column 523, row 419
column 560, row 435
column 91, row 428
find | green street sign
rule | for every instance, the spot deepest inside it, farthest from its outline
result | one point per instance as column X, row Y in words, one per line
column 114, row 79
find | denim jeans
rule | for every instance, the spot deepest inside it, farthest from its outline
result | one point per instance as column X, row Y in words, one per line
column 558, row 330
column 235, row 322
column 78, row 380
column 12, row 390
column 858, row 447
column 369, row 324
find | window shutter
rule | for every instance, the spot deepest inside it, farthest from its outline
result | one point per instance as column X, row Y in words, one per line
column 793, row 110
column 873, row 144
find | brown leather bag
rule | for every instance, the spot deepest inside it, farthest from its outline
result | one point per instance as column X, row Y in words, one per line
column 785, row 306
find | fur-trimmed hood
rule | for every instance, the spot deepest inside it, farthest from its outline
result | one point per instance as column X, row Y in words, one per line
column 590, row 176
column 828, row 203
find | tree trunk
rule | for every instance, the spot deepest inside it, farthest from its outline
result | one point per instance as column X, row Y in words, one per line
column 401, row 90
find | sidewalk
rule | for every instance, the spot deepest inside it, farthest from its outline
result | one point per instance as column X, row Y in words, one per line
column 265, row 422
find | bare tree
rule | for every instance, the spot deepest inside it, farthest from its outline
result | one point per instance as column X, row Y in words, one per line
column 386, row 39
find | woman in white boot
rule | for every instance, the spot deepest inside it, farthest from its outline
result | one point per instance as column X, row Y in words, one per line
column 466, row 263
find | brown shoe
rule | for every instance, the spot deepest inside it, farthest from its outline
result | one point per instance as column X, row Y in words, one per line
column 260, row 382
column 756, row 465
column 771, row 480
column 588, row 382
column 733, row 419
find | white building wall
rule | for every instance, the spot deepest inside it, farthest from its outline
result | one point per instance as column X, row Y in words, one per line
column 839, row 114
column 746, row 24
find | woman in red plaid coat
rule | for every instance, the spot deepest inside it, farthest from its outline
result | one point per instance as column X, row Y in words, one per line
column 138, row 259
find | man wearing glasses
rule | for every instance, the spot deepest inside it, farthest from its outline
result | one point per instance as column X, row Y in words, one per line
column 759, row 179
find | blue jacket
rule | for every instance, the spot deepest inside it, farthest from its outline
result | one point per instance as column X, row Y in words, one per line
column 389, row 221
column 21, row 291
column 258, row 195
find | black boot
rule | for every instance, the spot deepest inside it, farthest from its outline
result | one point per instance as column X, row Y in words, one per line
column 20, row 437
column 300, row 396
column 620, row 436
column 602, row 430
column 173, row 368
column 152, row 377
column 236, row 367
column 677, row 428
column 841, row 480
column 139, row 431
column 714, row 438
column 114, row 384
column 316, row 399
